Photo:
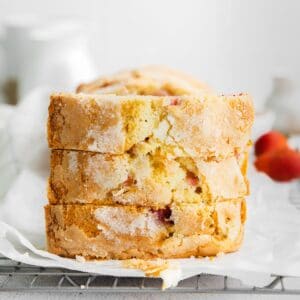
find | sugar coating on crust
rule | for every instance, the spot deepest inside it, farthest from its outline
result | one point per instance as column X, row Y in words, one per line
column 204, row 126
column 72, row 162
column 148, row 176
column 149, row 80
column 128, row 222
column 105, row 170
column 124, row 232
column 224, row 179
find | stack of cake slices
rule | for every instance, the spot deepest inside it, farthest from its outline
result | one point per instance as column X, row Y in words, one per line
column 136, row 176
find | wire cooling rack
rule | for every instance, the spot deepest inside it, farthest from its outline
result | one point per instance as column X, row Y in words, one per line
column 15, row 276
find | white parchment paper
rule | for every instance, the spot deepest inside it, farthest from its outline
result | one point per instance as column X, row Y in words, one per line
column 272, row 237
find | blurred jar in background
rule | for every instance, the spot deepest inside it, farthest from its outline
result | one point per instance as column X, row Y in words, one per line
column 285, row 101
column 46, row 52
column 2, row 72
column 57, row 56
column 16, row 29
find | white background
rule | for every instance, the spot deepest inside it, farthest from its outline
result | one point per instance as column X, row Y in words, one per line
column 233, row 44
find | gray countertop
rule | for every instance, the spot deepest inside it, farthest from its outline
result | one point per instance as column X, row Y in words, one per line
column 115, row 296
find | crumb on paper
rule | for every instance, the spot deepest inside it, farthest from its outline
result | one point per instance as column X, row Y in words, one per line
column 80, row 258
column 151, row 268
column 170, row 273
column 220, row 254
column 211, row 258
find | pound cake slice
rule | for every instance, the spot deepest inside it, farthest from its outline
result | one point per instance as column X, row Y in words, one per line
column 143, row 178
column 149, row 80
column 123, row 232
column 206, row 126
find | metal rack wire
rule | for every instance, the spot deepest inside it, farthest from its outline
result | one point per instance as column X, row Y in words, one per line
column 15, row 276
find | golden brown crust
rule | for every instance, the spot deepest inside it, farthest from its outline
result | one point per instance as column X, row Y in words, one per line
column 206, row 126
column 136, row 176
column 122, row 232
column 144, row 179
column 149, row 80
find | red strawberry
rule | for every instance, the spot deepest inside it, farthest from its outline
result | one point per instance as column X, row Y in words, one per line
column 175, row 101
column 271, row 141
column 285, row 165
column 192, row 179
column 262, row 162
column 129, row 181
column 164, row 214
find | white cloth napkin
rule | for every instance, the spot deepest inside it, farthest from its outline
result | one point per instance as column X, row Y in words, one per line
column 272, row 237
